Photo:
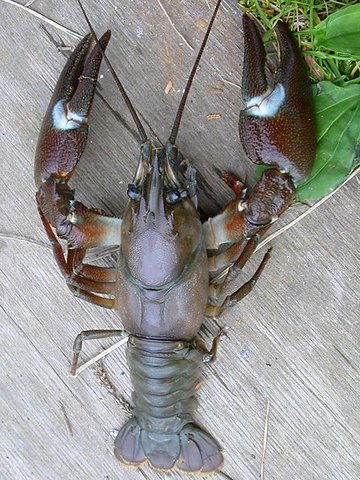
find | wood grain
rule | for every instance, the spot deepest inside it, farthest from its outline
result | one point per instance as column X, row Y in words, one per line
column 294, row 341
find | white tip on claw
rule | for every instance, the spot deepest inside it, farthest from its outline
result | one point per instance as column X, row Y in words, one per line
column 266, row 105
column 63, row 120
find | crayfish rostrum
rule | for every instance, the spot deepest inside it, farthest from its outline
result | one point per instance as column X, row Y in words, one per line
column 172, row 270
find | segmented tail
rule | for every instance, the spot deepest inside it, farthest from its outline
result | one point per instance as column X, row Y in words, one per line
column 165, row 375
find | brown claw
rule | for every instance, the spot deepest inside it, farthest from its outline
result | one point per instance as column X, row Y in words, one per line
column 277, row 125
column 64, row 130
column 61, row 143
column 276, row 129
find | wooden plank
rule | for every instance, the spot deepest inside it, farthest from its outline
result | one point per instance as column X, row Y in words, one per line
column 293, row 341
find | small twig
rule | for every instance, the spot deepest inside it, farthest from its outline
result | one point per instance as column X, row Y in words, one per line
column 231, row 83
column 303, row 215
column 172, row 24
column 21, row 238
column 67, row 421
column 99, row 356
column 44, row 19
column 265, row 438
column 223, row 5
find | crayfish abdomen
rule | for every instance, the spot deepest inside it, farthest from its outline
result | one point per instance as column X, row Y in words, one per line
column 166, row 375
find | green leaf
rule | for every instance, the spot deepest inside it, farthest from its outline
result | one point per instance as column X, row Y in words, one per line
column 340, row 31
column 337, row 111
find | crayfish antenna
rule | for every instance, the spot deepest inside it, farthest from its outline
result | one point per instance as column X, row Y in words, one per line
column 120, row 86
column 175, row 128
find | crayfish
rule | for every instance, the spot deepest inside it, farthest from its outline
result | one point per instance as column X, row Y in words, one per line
column 172, row 270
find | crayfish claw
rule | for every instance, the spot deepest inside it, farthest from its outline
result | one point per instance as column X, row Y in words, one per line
column 254, row 82
column 291, row 72
column 233, row 182
column 64, row 130
column 277, row 119
column 67, row 82
column 82, row 99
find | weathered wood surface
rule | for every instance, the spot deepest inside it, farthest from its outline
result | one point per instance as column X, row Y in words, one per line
column 294, row 341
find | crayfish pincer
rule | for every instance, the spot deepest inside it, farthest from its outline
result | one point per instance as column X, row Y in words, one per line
column 166, row 280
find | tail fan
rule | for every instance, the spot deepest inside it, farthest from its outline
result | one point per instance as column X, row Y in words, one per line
column 192, row 450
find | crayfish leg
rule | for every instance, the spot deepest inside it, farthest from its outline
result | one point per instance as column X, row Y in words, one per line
column 75, row 259
column 61, row 143
column 215, row 308
column 209, row 356
column 86, row 335
column 78, row 282
column 276, row 129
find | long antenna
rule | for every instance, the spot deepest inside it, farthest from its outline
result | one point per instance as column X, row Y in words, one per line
column 129, row 105
column 180, row 111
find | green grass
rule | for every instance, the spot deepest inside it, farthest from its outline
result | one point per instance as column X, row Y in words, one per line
column 302, row 17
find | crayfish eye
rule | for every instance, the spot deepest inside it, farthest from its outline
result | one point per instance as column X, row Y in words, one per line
column 173, row 196
column 133, row 192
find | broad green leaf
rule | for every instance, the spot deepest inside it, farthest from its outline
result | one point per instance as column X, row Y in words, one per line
column 337, row 111
column 340, row 31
